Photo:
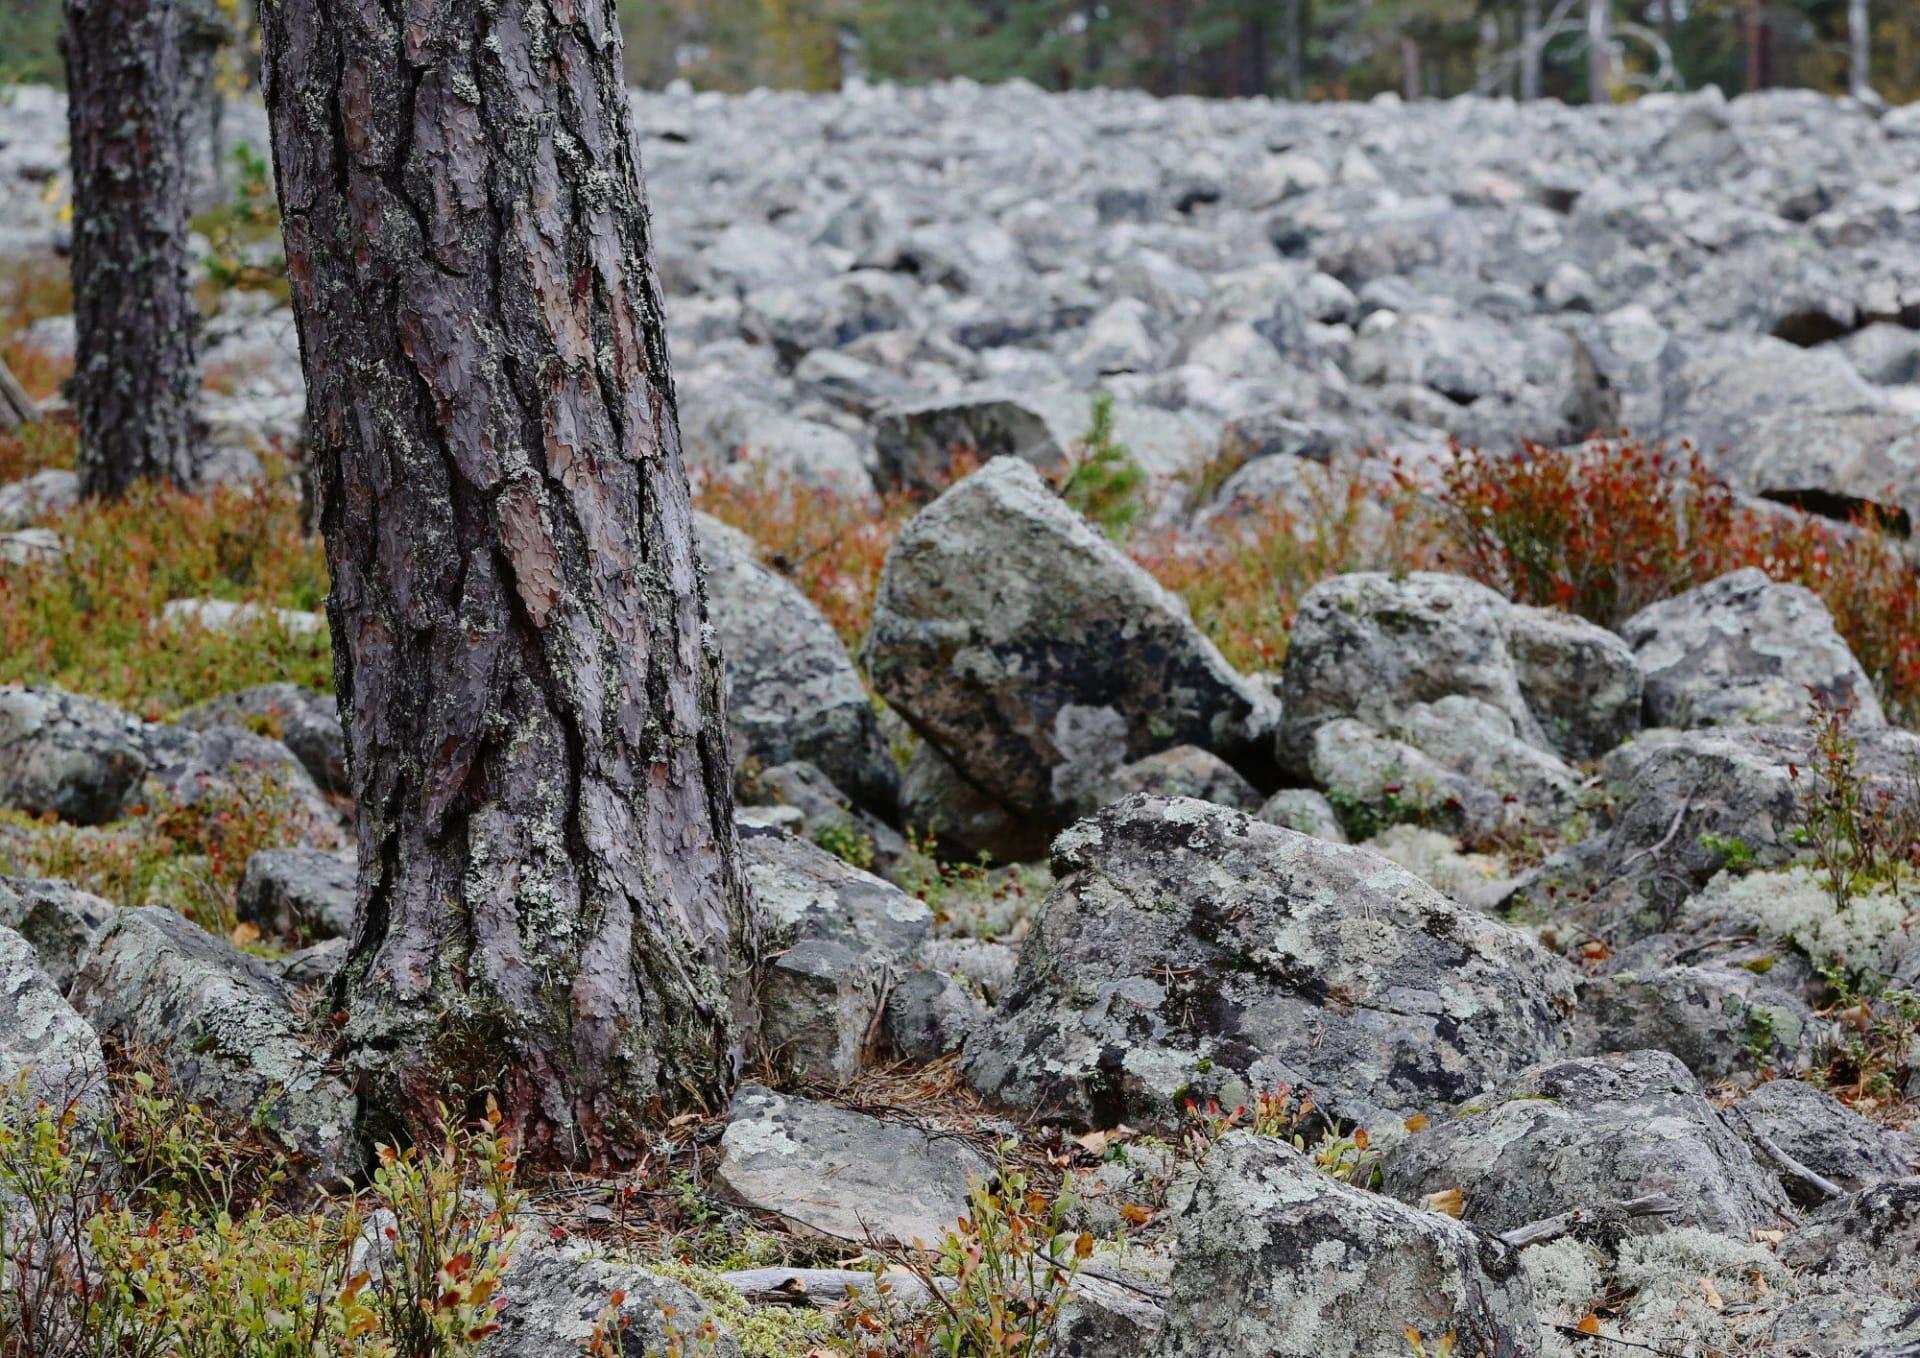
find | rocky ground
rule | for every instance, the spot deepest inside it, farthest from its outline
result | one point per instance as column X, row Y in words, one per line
column 1444, row 963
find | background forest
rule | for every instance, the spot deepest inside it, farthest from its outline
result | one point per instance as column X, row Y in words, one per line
column 1316, row 49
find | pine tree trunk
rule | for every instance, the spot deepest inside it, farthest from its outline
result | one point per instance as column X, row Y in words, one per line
column 1599, row 51
column 133, row 311
column 552, row 907
column 1859, row 50
column 1530, row 44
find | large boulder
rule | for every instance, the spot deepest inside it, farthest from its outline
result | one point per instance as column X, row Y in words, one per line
column 1372, row 647
column 1589, row 1134
column 300, row 894
column 59, row 919
column 833, row 1173
column 221, row 1022
column 1721, row 1018
column 1188, row 947
column 792, row 692
column 837, row 939
column 68, row 756
column 44, row 1044
column 1744, row 651
column 1279, row 1260
column 1036, row 657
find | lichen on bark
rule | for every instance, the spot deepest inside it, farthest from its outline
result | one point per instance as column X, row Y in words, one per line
column 552, row 908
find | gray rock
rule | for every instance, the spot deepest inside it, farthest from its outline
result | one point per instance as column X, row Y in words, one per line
column 1277, row 1258
column 24, row 503
column 1187, row 947
column 824, row 809
column 557, row 1294
column 1719, row 1018
column 930, row 1014
column 300, row 894
column 1589, row 1133
column 1376, row 780
column 1580, row 680
column 1743, row 651
column 1869, row 1242
column 73, row 757
column 1104, row 1318
column 936, row 799
column 837, row 939
column 1036, row 657
column 1823, row 1134
column 1183, row 771
column 1304, row 810
column 306, row 722
column 44, row 1045
column 831, row 1172
column 314, row 965
column 221, row 1022
column 59, row 919
column 792, row 693
column 1683, row 802
column 187, row 768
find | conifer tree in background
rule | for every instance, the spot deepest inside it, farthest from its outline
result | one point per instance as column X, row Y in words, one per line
column 135, row 379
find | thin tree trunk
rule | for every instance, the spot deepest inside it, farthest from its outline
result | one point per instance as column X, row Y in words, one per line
column 1859, row 49
column 1756, row 45
column 1409, row 69
column 1599, row 52
column 133, row 311
column 1298, row 21
column 551, row 902
column 1530, row 49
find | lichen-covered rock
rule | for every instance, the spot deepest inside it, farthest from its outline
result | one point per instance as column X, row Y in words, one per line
column 837, row 937
column 556, row 1295
column 824, row 809
column 306, row 722
column 1719, row 1018
column 792, row 692
column 1684, row 804
column 936, row 799
column 1304, row 810
column 1104, row 1318
column 221, row 1022
column 1744, row 651
column 1375, row 780
column 1869, row 1238
column 59, row 919
column 1278, row 1260
column 1189, row 947
column 1823, row 1134
column 68, row 756
column 832, row 1172
column 303, row 894
column 189, row 768
column 1183, row 771
column 1580, row 680
column 44, row 1044
column 1036, row 657
column 1589, row 1133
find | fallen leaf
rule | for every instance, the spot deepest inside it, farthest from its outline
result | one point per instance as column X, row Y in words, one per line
column 243, row 934
column 1448, row 1202
column 1134, row 1214
column 1589, row 1324
column 1417, row 1123
column 1712, row 1294
column 1096, row 1142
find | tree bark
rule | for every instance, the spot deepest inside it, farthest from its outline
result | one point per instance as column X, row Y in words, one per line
column 133, row 311
column 551, row 903
column 1599, row 51
column 1530, row 49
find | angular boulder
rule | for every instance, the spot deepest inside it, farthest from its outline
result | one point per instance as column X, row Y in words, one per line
column 59, row 919
column 300, row 894
column 221, row 1022
column 1036, row 657
column 1184, row 771
column 43, row 1043
column 842, row 1175
column 1186, row 948
column 1589, row 1134
column 306, row 722
column 1744, row 651
column 1279, row 1260
column 837, row 939
column 1719, row 1018
column 792, row 692
column 556, row 1295
column 1818, row 1131
column 68, row 756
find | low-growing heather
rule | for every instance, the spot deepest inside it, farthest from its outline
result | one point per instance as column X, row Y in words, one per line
column 90, row 620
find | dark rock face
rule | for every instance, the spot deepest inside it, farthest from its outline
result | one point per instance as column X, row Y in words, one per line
column 1574, row 1134
column 57, row 918
column 1823, row 1134
column 1035, row 657
column 73, row 757
column 1189, row 947
column 1278, row 1259
column 1720, row 1019
column 303, row 894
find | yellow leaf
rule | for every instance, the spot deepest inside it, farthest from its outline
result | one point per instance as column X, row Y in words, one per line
column 1448, row 1202
column 1589, row 1324
column 1134, row 1214
column 1360, row 1137
column 1712, row 1294
column 243, row 934
column 1417, row 1123
column 1083, row 1245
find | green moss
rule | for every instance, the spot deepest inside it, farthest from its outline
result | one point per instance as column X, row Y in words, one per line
column 762, row 1331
